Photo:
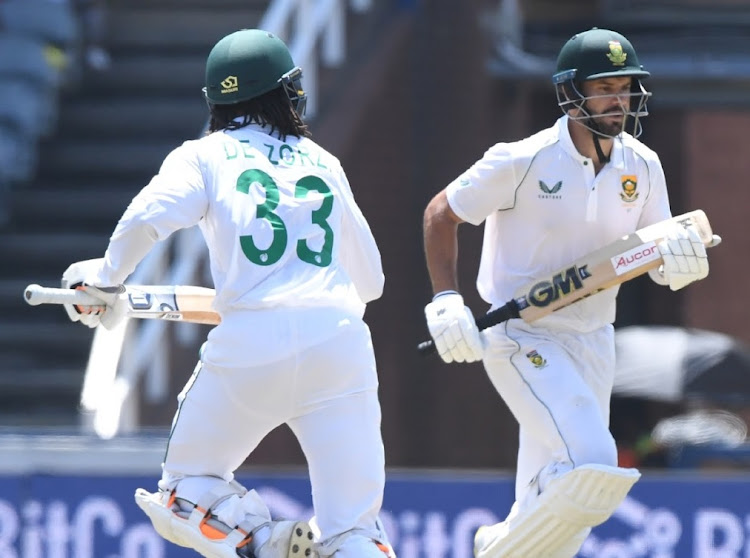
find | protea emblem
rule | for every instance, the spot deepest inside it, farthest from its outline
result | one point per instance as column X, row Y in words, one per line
column 615, row 54
column 629, row 186
column 536, row 359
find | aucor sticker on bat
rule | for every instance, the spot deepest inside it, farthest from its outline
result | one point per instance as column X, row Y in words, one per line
column 635, row 258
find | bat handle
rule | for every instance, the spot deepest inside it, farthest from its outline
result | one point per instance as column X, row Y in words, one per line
column 426, row 347
column 506, row 312
column 36, row 295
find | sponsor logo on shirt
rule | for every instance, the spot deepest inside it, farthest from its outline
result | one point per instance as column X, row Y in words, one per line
column 635, row 257
column 550, row 192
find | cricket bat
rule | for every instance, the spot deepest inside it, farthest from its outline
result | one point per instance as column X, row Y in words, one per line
column 159, row 302
column 620, row 261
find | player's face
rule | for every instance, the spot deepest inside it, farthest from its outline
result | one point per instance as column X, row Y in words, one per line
column 608, row 102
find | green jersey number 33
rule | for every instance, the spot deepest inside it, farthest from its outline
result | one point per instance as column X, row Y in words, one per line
column 265, row 210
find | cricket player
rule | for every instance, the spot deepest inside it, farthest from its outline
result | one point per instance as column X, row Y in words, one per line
column 547, row 200
column 293, row 262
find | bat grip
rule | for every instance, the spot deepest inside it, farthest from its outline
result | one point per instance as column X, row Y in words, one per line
column 506, row 312
column 36, row 295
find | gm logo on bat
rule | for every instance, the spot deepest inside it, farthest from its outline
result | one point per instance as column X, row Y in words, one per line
column 562, row 284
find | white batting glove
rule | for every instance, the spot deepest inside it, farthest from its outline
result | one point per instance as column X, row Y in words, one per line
column 453, row 328
column 112, row 309
column 685, row 259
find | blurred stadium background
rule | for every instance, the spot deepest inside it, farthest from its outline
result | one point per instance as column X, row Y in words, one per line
column 407, row 93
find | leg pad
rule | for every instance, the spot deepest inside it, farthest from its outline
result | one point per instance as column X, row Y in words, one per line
column 581, row 498
column 199, row 529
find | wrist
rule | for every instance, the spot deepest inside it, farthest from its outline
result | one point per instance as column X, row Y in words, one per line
column 443, row 293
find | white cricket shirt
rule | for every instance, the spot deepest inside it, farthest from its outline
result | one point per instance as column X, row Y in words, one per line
column 279, row 219
column 544, row 207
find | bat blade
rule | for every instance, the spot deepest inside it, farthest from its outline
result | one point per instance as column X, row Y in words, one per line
column 620, row 261
column 174, row 303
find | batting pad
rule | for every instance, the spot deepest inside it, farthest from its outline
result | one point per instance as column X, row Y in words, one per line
column 276, row 539
column 581, row 498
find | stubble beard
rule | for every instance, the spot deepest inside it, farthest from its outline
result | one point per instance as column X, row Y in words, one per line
column 611, row 129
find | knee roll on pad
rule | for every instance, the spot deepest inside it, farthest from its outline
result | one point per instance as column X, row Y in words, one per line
column 581, row 498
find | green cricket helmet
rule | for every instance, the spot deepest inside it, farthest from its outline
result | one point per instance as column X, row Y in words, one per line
column 248, row 63
column 596, row 54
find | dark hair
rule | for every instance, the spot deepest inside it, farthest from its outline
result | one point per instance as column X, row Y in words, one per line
column 273, row 108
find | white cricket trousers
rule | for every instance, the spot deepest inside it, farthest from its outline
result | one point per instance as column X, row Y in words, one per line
column 313, row 369
column 557, row 384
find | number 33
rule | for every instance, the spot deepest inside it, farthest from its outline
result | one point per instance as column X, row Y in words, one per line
column 265, row 210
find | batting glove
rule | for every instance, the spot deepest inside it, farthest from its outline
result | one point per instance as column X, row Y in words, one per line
column 112, row 309
column 684, row 255
column 453, row 328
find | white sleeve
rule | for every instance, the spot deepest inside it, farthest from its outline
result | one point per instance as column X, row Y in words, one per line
column 174, row 199
column 359, row 252
column 656, row 207
column 488, row 185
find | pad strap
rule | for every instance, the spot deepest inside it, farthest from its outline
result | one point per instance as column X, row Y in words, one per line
column 214, row 496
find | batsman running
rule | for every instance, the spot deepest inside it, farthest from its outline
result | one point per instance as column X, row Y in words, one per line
column 294, row 263
column 547, row 200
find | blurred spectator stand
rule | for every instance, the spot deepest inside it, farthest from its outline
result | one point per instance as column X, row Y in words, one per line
column 37, row 41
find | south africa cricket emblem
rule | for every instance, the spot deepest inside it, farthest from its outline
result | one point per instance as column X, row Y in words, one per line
column 629, row 183
column 616, row 54
column 536, row 359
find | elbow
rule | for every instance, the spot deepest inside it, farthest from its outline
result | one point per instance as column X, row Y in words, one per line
column 377, row 288
column 380, row 286
column 374, row 290
column 439, row 211
column 435, row 208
